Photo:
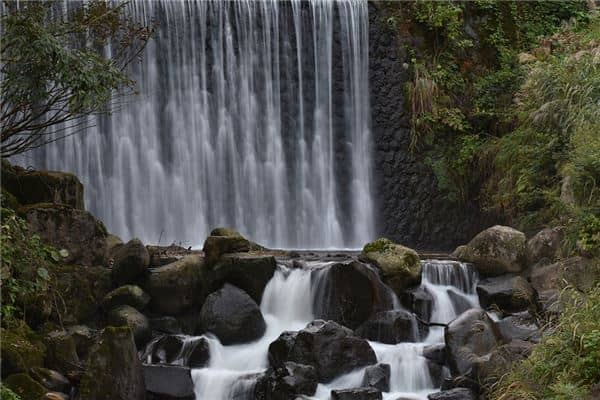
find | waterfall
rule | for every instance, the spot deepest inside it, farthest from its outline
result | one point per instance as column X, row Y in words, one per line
column 251, row 114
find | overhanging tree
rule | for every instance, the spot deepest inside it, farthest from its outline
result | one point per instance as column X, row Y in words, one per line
column 55, row 70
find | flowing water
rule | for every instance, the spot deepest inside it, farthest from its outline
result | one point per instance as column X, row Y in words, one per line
column 287, row 305
column 251, row 114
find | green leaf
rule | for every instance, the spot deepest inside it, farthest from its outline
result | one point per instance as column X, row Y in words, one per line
column 55, row 255
column 64, row 253
column 43, row 273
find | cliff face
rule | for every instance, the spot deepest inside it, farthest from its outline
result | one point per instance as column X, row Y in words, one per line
column 410, row 207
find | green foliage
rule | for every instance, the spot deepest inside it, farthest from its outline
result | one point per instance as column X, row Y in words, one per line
column 26, row 267
column 7, row 394
column 380, row 245
column 566, row 363
column 54, row 73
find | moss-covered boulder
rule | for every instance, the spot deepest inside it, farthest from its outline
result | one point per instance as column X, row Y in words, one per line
column 135, row 320
column 223, row 241
column 64, row 227
column 82, row 290
column 399, row 265
column 131, row 262
column 113, row 370
column 546, row 244
column 128, row 295
column 31, row 187
column 22, row 349
column 61, row 353
column 25, row 386
column 496, row 251
column 177, row 287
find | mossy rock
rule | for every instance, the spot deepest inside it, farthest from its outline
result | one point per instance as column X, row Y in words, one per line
column 216, row 246
column 61, row 352
column 135, row 320
column 221, row 231
column 113, row 370
column 128, row 295
column 22, row 349
column 25, row 386
column 400, row 266
column 9, row 201
column 82, row 290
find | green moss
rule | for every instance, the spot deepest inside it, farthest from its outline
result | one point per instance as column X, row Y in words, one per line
column 25, row 387
column 22, row 348
column 9, row 201
column 380, row 245
column 7, row 394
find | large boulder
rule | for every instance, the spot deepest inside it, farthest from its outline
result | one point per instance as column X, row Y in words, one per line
column 331, row 348
column 22, row 349
column 349, row 294
column 114, row 371
column 178, row 350
column 30, row 187
column 377, row 376
column 64, row 227
column 287, row 382
column 489, row 370
column 419, row 301
column 249, row 272
column 400, row 266
column 391, row 327
column 496, row 251
column 223, row 241
column 61, row 352
column 509, row 293
column 81, row 290
column 232, row 315
column 176, row 287
column 135, row 320
column 579, row 272
column 128, row 295
column 453, row 394
column 521, row 326
column 170, row 381
column 544, row 245
column 471, row 336
column 363, row 393
column 165, row 325
column 131, row 262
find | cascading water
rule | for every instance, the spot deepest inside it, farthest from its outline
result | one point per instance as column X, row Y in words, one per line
column 288, row 305
column 251, row 114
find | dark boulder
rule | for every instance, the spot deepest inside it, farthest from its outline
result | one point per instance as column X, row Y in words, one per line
column 131, row 262
column 50, row 379
column 165, row 325
column 453, row 394
column 178, row 350
column 489, row 370
column 232, row 315
column 135, row 320
column 349, row 294
column 508, row 293
column 288, row 381
column 469, row 337
column 113, row 370
column 176, row 287
column 391, row 327
column 128, row 295
column 378, row 377
column 459, row 302
column 172, row 381
column 249, row 272
column 77, row 231
column 435, row 353
column 363, row 393
column 331, row 348
column 419, row 301
column 520, row 326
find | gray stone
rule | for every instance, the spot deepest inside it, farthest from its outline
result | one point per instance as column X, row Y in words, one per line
column 131, row 262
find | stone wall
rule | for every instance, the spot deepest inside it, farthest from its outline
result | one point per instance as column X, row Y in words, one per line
column 410, row 208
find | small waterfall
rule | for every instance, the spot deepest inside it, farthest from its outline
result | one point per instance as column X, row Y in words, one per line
column 251, row 114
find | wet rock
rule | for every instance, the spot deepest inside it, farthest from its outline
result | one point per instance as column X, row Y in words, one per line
column 287, row 382
column 83, row 337
column 544, row 244
column 435, row 353
column 223, row 241
column 77, row 231
column 364, row 393
column 179, row 350
column 453, row 394
column 113, row 370
column 469, row 337
column 130, row 263
column 495, row 251
column 378, row 377
column 22, row 349
column 249, row 272
column 331, row 348
column 136, row 321
column 165, row 325
column 169, row 380
column 176, row 287
column 82, row 290
column 349, row 293
column 419, row 301
column 25, row 386
column 128, row 295
column 489, row 370
column 519, row 326
column 232, row 316
column 459, row 302
column 400, row 266
column 30, row 187
column 508, row 293
column 61, row 353
column 392, row 327
column 50, row 379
